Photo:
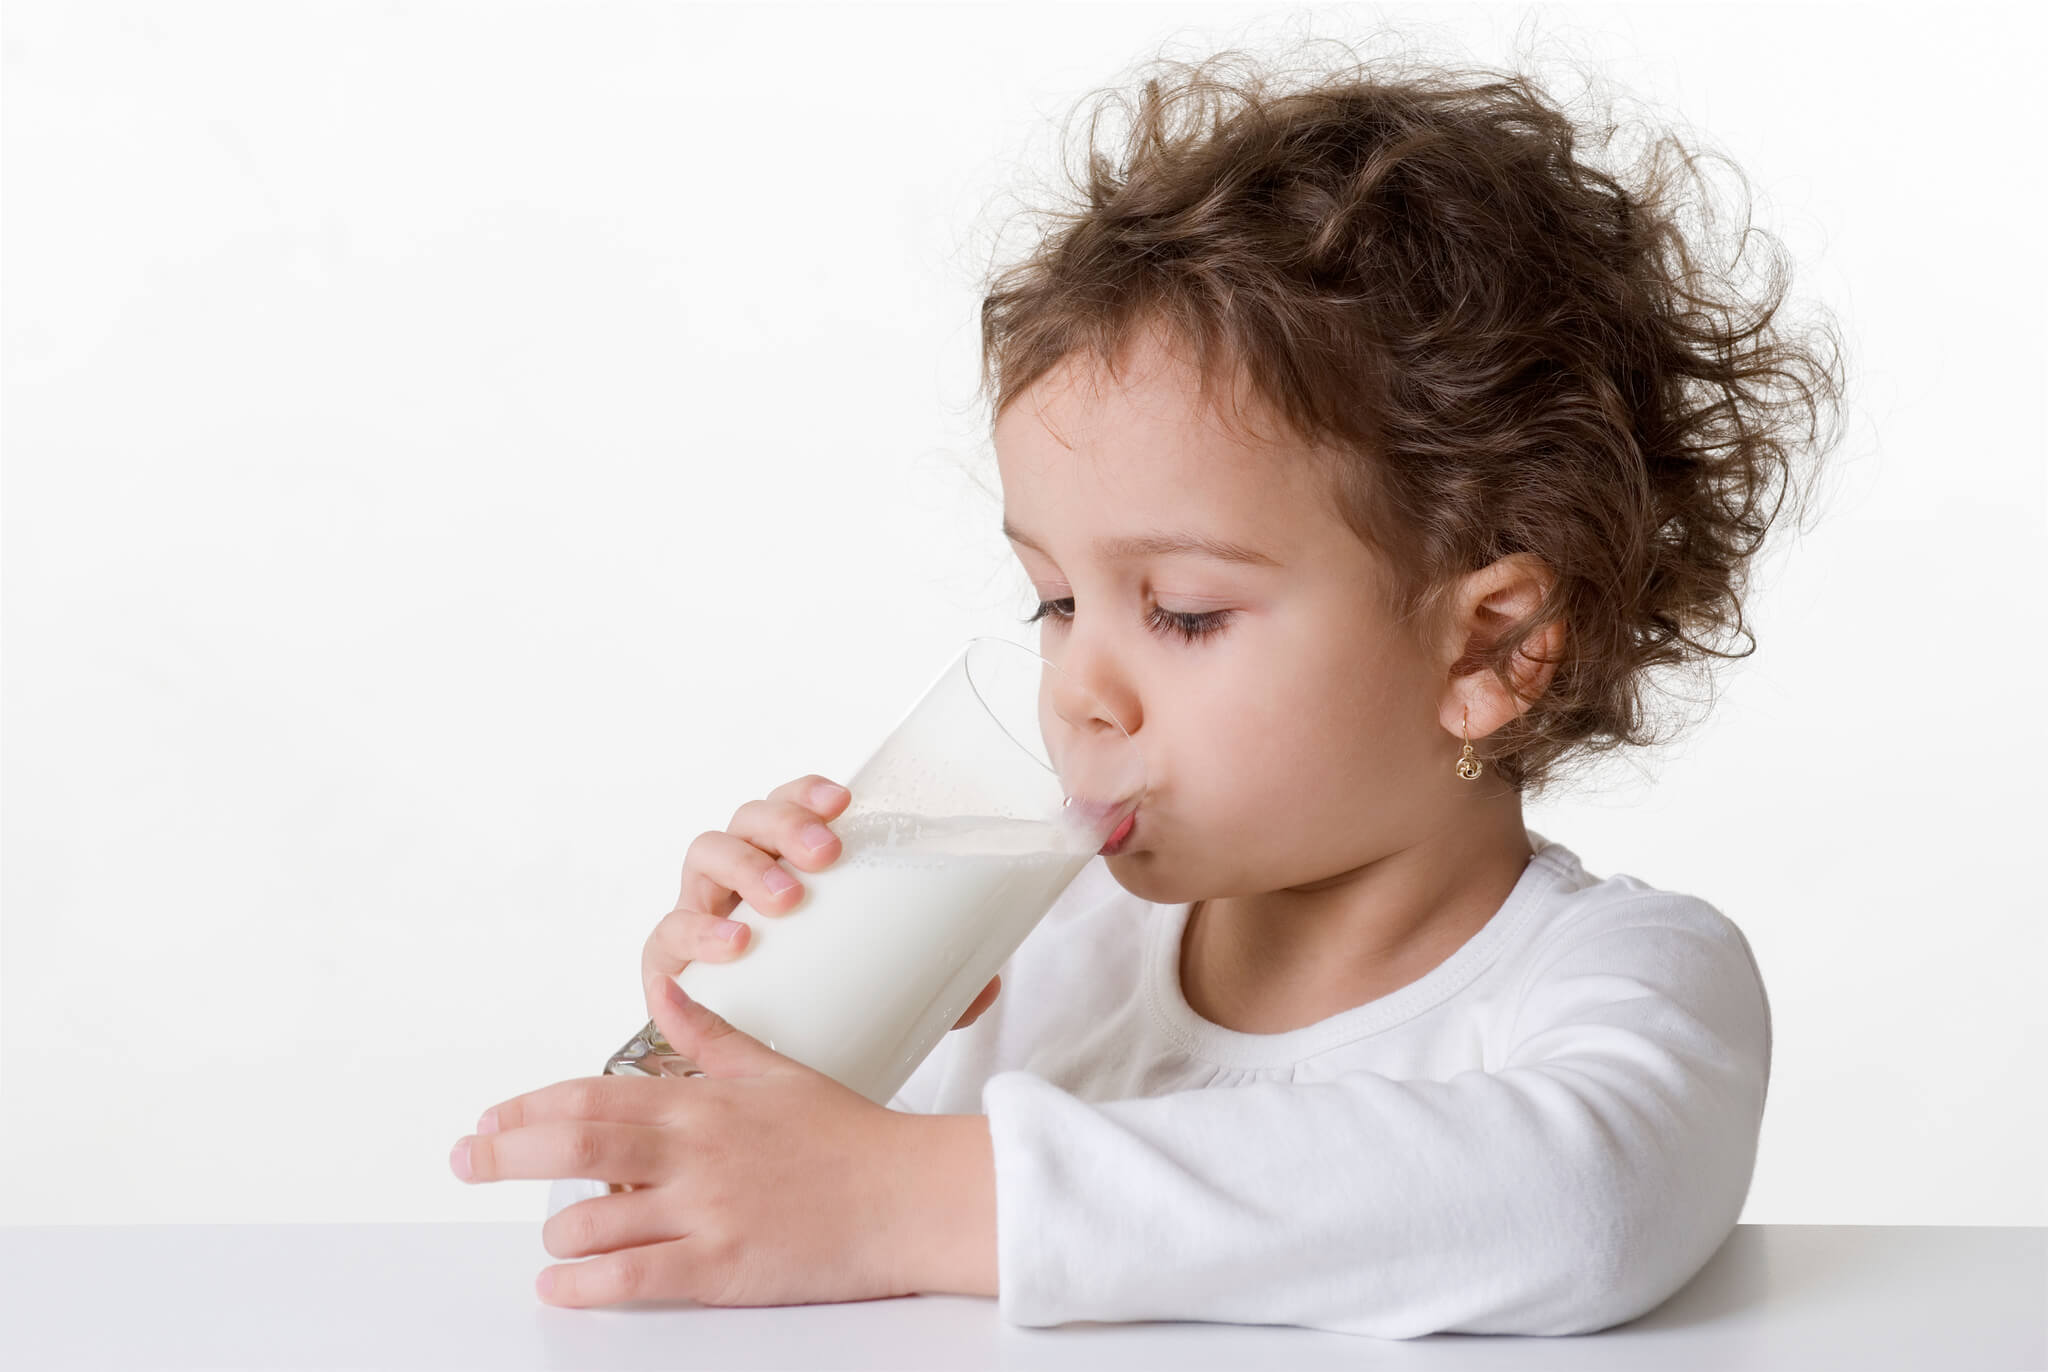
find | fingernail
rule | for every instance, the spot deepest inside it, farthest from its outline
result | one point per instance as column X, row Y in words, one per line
column 816, row 836
column 827, row 793
column 777, row 880
column 729, row 930
column 458, row 1160
column 489, row 1123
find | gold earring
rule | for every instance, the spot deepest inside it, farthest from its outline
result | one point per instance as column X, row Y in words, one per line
column 1469, row 766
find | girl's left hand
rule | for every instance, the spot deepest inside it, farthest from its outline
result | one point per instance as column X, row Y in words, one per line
column 763, row 1182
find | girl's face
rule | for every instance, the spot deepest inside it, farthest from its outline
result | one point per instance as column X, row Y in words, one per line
column 1290, row 731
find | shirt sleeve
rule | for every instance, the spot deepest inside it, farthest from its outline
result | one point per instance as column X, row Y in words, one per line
column 1575, row 1187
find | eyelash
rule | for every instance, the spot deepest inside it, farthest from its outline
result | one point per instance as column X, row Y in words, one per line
column 1191, row 627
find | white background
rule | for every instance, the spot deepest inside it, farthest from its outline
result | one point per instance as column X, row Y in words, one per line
column 455, row 453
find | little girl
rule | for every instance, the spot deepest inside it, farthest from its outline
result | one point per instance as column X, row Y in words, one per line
column 1366, row 450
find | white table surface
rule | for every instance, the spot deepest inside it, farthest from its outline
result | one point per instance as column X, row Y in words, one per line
column 461, row 1296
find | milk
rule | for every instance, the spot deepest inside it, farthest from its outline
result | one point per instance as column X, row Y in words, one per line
column 891, row 943
column 882, row 955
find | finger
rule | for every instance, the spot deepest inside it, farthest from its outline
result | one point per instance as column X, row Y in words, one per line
column 711, row 866
column 981, row 1002
column 722, row 869
column 686, row 936
column 602, row 1224
column 601, row 1150
column 788, row 830
column 821, row 794
column 699, row 890
column 619, row 1099
column 678, row 1269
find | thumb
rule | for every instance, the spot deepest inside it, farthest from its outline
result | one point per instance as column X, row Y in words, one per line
column 706, row 1038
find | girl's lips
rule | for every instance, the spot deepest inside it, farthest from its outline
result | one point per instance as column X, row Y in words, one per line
column 1121, row 836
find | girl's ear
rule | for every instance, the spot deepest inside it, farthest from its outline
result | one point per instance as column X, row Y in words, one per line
column 1489, row 602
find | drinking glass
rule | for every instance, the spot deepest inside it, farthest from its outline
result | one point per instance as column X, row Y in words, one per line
column 976, row 811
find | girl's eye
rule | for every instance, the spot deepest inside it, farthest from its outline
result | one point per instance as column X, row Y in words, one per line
column 1190, row 627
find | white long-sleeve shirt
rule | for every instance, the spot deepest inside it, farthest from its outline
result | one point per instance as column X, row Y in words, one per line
column 1548, row 1133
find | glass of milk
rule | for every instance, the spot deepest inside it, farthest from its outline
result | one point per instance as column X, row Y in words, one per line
column 963, row 828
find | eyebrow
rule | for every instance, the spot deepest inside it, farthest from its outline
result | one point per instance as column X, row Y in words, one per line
column 1159, row 545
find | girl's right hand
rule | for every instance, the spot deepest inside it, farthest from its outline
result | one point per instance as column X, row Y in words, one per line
column 723, row 867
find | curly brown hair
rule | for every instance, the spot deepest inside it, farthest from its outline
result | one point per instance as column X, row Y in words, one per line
column 1495, row 348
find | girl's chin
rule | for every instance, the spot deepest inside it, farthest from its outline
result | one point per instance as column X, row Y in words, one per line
column 1147, row 880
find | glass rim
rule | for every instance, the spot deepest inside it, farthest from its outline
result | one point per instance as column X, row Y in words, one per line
column 967, row 670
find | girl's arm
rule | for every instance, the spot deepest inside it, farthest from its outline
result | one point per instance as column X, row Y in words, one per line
column 952, row 1247
column 1576, row 1187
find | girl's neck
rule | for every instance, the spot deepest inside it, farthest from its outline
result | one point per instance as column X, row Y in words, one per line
column 1269, row 963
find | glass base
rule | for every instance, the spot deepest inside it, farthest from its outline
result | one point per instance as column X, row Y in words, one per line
column 647, row 1054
